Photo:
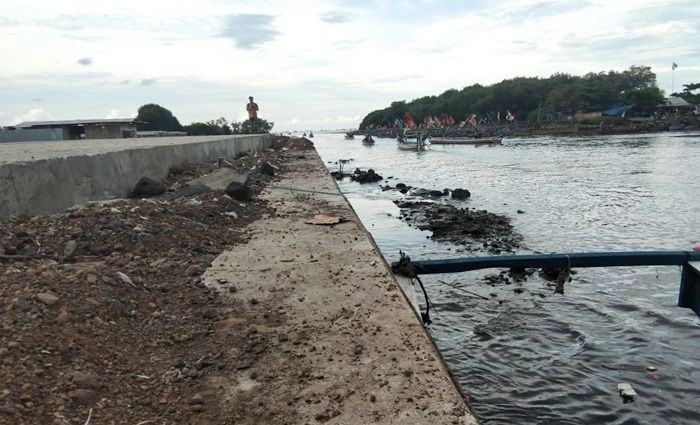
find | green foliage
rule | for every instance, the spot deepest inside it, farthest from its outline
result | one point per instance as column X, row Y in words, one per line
column 156, row 118
column 688, row 94
column 221, row 126
column 525, row 96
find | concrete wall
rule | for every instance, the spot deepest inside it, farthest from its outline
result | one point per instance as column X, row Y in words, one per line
column 52, row 185
column 30, row 135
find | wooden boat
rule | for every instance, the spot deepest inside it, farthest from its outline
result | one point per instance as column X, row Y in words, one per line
column 349, row 136
column 407, row 143
column 368, row 140
column 464, row 141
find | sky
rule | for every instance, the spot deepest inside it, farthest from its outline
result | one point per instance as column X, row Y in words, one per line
column 315, row 64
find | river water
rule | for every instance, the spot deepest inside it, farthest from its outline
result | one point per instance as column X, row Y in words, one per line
column 549, row 358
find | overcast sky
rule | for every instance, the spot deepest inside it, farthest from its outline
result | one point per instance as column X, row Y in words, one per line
column 315, row 64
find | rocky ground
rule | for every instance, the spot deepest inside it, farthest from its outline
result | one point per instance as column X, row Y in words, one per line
column 104, row 316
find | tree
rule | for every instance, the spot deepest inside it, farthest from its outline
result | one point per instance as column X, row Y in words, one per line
column 154, row 117
column 261, row 127
column 688, row 94
column 524, row 96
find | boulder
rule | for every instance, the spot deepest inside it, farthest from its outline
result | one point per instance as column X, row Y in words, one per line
column 147, row 187
column 238, row 191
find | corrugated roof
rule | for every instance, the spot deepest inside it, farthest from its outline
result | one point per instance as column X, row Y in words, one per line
column 30, row 124
column 677, row 102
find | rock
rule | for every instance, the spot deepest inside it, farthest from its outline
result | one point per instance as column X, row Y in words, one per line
column 10, row 249
column 197, row 399
column 460, row 194
column 193, row 190
column 124, row 278
column 282, row 337
column 12, row 344
column 237, row 191
column 70, row 249
column 372, row 398
column 47, row 298
column 177, row 169
column 147, row 187
column 193, row 270
column 254, row 301
column 520, row 212
column 84, row 380
column 82, row 396
column 6, row 409
column 267, row 169
column 368, row 176
column 63, row 317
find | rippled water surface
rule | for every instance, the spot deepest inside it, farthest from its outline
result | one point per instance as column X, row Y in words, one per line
column 540, row 357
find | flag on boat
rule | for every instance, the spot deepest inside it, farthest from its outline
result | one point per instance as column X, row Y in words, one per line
column 408, row 120
column 674, row 66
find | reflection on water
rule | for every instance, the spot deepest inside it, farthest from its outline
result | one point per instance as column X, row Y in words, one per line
column 525, row 355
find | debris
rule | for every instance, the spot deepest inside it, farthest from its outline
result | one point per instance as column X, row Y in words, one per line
column 267, row 169
column 325, row 220
column 626, row 392
column 231, row 214
column 70, row 249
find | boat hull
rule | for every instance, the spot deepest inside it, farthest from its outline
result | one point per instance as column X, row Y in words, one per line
column 464, row 141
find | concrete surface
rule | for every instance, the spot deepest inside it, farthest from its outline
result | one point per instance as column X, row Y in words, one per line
column 351, row 349
column 48, row 177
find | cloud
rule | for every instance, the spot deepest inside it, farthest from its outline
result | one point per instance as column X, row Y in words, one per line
column 116, row 113
column 35, row 114
column 249, row 31
column 336, row 17
column 544, row 9
column 148, row 81
column 85, row 61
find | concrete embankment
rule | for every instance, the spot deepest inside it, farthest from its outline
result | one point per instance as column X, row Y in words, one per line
column 358, row 353
column 47, row 177
column 200, row 309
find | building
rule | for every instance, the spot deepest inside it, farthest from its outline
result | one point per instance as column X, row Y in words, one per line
column 28, row 131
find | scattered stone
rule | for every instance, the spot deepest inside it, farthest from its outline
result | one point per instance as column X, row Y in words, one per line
column 124, row 278
column 47, row 298
column 238, row 191
column 82, row 396
column 197, row 399
column 193, row 270
column 70, row 249
column 372, row 398
column 282, row 337
column 84, row 380
column 10, row 249
column 63, row 317
column 254, row 301
column 147, row 188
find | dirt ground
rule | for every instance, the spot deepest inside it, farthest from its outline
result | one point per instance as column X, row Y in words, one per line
column 205, row 310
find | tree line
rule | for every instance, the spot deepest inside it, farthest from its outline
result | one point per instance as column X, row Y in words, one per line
column 530, row 97
column 153, row 117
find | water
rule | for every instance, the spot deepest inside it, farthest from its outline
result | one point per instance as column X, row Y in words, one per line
column 557, row 358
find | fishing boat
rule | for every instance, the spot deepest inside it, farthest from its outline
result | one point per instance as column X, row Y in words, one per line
column 311, row 134
column 368, row 140
column 349, row 136
column 417, row 144
column 464, row 141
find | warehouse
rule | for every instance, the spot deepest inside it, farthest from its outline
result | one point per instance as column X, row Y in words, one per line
column 28, row 131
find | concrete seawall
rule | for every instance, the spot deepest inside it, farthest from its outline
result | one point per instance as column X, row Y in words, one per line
column 47, row 177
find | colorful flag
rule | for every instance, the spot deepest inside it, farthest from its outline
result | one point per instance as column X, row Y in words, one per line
column 674, row 66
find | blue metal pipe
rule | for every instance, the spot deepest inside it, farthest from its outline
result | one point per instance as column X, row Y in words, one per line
column 581, row 259
column 689, row 293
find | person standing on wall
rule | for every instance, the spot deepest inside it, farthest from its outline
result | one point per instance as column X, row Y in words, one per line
column 252, row 109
